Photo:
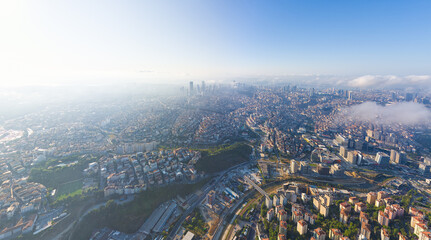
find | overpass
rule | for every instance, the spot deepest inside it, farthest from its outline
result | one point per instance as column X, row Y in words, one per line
column 260, row 190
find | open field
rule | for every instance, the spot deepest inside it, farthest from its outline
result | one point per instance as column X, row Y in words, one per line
column 69, row 189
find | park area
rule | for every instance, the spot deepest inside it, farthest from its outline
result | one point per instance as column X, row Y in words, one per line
column 69, row 189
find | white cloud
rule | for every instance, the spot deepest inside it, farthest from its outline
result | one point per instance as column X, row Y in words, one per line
column 405, row 113
column 419, row 78
column 382, row 81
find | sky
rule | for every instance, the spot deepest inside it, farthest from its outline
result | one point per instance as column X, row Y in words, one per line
column 93, row 42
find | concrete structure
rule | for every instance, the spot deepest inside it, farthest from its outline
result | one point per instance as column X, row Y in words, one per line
column 324, row 210
column 293, row 166
column 419, row 228
column 275, row 200
column 360, row 207
column 425, row 236
column 283, row 227
column 344, row 216
column 343, row 151
column 335, row 234
column 383, row 218
column 296, row 216
column 371, row 198
column 319, row 234
column 382, row 158
column 353, row 200
column 382, row 195
column 345, row 206
column 384, row 234
column 366, row 230
column 189, row 236
column 270, row 214
column 302, row 227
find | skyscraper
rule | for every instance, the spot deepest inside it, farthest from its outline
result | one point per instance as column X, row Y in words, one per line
column 203, row 87
column 191, row 88
column 409, row 97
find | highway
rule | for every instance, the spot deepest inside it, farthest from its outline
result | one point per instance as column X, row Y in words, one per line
column 220, row 227
column 177, row 226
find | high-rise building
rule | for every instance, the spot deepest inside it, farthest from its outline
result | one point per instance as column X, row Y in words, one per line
column 352, row 157
column 394, row 96
column 191, row 88
column 203, row 87
column 424, row 168
column 397, row 157
column 341, row 140
column 382, row 158
column 293, row 166
column 400, row 158
column 350, row 95
column 343, row 151
column 409, row 97
column 393, row 155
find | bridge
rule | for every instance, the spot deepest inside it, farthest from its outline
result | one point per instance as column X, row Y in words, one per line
column 260, row 190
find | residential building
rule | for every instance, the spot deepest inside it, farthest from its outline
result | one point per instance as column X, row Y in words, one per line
column 270, row 214
column 383, row 218
column 301, row 227
column 283, row 227
column 366, row 230
column 371, row 198
column 335, row 234
column 345, row 206
column 384, row 234
column 419, row 228
column 360, row 207
column 319, row 234
column 344, row 216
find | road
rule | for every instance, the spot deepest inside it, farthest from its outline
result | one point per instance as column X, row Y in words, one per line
column 177, row 226
column 220, row 227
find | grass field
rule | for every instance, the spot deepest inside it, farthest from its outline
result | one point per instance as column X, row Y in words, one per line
column 69, row 189
column 219, row 159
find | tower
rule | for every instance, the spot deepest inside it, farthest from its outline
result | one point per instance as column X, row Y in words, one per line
column 191, row 88
column 350, row 95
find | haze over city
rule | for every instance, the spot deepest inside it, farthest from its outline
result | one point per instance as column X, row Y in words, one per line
column 215, row 120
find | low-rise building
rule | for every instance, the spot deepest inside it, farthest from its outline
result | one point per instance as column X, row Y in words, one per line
column 384, row 234
column 360, row 207
column 419, row 228
column 335, row 234
column 426, row 235
column 353, row 200
column 319, row 234
column 345, row 206
column 283, row 227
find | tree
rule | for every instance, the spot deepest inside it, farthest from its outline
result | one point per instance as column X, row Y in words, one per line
column 266, row 224
column 263, row 210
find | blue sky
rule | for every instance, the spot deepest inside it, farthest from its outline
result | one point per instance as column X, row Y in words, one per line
column 63, row 42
